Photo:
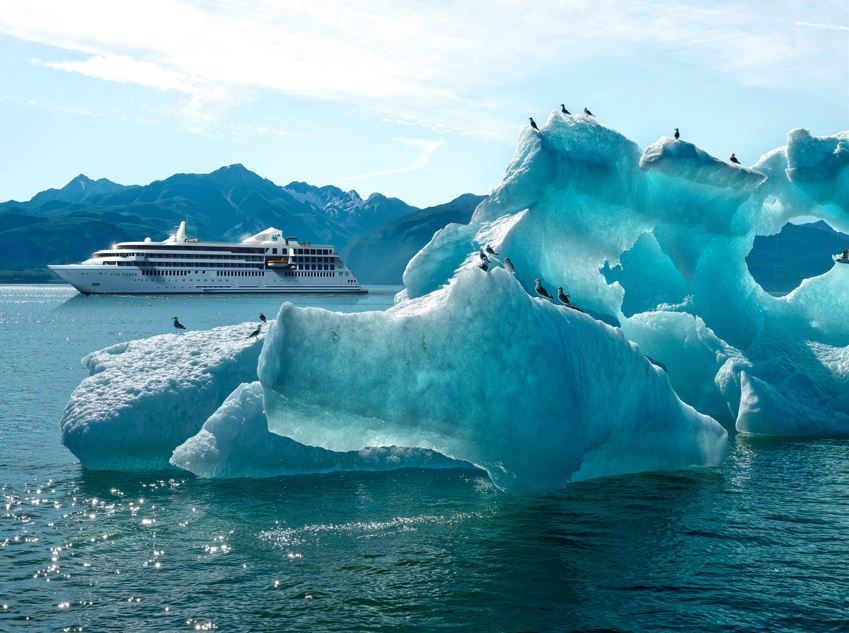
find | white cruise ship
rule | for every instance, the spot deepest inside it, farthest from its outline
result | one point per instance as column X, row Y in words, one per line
column 263, row 263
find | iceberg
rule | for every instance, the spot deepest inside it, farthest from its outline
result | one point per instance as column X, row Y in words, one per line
column 470, row 367
column 143, row 398
column 235, row 442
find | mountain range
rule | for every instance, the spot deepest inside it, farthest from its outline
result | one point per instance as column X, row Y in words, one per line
column 377, row 235
column 230, row 203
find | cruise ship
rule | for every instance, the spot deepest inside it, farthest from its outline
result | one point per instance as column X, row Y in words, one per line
column 263, row 263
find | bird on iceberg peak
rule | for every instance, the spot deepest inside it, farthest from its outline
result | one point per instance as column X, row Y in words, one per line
column 587, row 112
column 563, row 109
column 733, row 159
column 483, row 256
column 677, row 134
column 177, row 325
column 256, row 332
column 542, row 292
column 490, row 251
column 533, row 123
column 262, row 318
column 508, row 265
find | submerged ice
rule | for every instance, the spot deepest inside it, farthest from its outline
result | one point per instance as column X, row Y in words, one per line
column 470, row 367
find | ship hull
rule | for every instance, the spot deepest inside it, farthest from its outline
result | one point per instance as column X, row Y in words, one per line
column 132, row 280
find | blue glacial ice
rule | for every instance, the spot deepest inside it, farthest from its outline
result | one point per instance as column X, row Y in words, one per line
column 235, row 442
column 470, row 364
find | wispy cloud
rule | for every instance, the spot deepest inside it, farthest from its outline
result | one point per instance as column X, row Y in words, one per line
column 425, row 149
column 443, row 65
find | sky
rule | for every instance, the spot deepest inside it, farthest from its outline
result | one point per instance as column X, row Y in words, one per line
column 416, row 99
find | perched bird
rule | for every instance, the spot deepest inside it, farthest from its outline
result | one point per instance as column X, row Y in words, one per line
column 542, row 292
column 509, row 265
column 587, row 112
column 563, row 297
column 483, row 256
column 533, row 123
column 677, row 134
column 490, row 251
column 177, row 325
column 484, row 266
column 262, row 318
column 256, row 332
column 734, row 160
column 564, row 110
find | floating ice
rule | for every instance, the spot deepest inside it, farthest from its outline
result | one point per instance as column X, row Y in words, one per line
column 235, row 442
column 468, row 363
column 145, row 397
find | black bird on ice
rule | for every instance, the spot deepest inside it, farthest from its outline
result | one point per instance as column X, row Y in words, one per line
column 490, row 251
column 734, row 160
column 177, row 325
column 587, row 112
column 256, row 332
column 563, row 109
column 262, row 318
column 508, row 265
column 533, row 123
column 677, row 134
column 563, row 297
column 542, row 292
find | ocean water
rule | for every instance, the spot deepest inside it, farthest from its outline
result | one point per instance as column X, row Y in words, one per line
column 761, row 543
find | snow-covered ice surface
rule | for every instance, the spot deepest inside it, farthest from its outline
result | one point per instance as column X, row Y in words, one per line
column 143, row 398
column 473, row 365
column 235, row 442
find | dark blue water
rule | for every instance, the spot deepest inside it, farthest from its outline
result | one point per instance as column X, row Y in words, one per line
column 759, row 544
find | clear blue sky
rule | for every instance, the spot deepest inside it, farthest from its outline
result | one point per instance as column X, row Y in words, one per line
column 421, row 100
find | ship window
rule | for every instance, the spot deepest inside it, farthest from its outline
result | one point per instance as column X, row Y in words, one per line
column 274, row 250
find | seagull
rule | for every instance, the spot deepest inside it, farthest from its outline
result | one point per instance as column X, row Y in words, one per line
column 256, row 332
column 262, row 318
column 563, row 297
column 177, row 325
column 677, row 134
column 489, row 250
column 564, row 110
column 484, row 266
column 587, row 112
column 542, row 292
column 533, row 123
column 483, row 256
column 734, row 160
column 508, row 265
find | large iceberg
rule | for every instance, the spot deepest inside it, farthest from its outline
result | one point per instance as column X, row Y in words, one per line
column 471, row 367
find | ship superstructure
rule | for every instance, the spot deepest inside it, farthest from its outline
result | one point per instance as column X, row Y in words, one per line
column 266, row 262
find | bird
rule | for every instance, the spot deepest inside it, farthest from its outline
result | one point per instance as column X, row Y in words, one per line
column 563, row 297
column 677, row 134
column 484, row 266
column 542, row 292
column 509, row 265
column 256, row 332
column 587, row 112
column 533, row 123
column 734, row 160
column 563, row 109
column 177, row 325
column 490, row 251
column 483, row 256
column 262, row 318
